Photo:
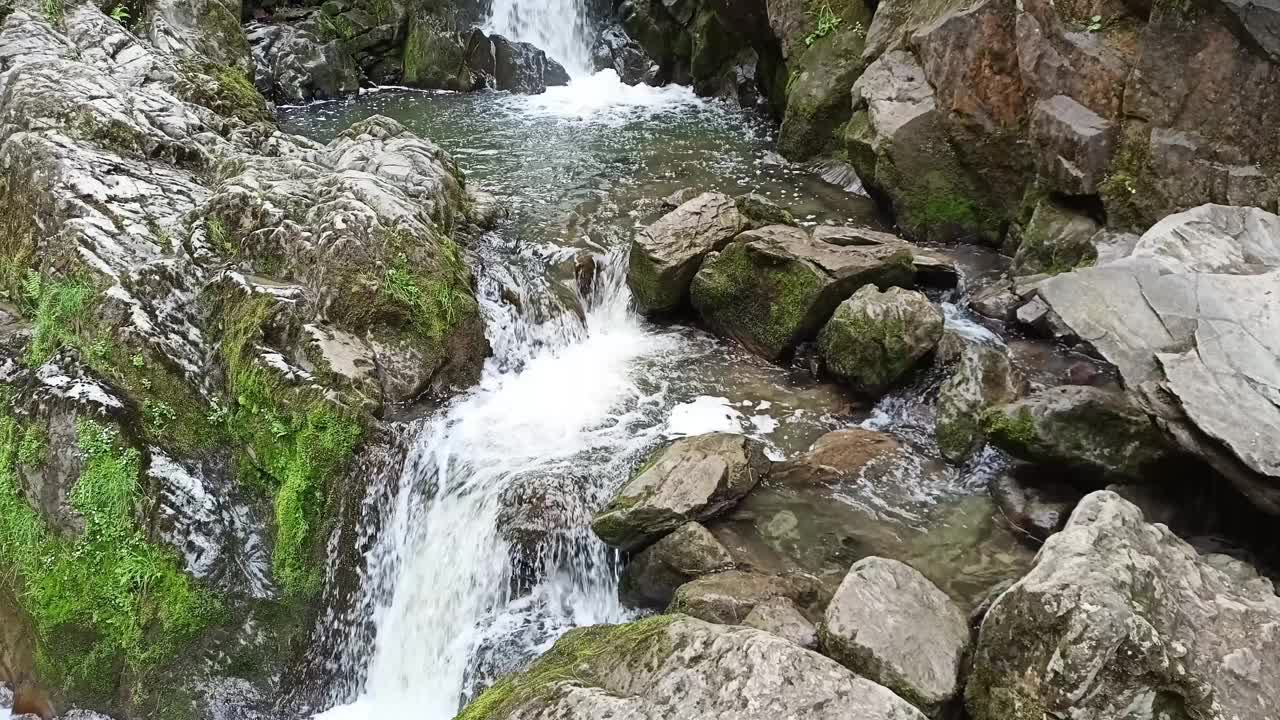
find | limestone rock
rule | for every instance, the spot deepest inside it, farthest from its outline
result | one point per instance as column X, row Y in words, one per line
column 666, row 255
column 674, row 666
column 652, row 576
column 900, row 146
column 1056, row 240
column 1074, row 145
column 730, row 597
column 1118, row 618
column 775, row 287
column 889, row 624
column 875, row 338
column 295, row 67
column 982, row 377
column 693, row 478
column 1078, row 426
column 780, row 617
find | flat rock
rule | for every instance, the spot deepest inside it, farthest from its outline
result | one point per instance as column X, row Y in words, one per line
column 729, row 597
column 889, row 624
column 692, row 479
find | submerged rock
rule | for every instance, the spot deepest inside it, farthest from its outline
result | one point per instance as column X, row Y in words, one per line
column 1036, row 505
column 665, row 255
column 1077, row 426
column 875, row 338
column 652, row 576
column 673, row 666
column 1121, row 618
column 692, row 479
column 775, row 287
column 729, row 597
column 889, row 624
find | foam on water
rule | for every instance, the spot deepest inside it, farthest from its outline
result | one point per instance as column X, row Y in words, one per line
column 604, row 98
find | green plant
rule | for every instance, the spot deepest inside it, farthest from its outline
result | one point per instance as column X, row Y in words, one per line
column 59, row 307
column 107, row 596
column 158, row 414
column 120, row 14
column 827, row 22
column 1096, row 24
column 32, row 447
column 53, row 11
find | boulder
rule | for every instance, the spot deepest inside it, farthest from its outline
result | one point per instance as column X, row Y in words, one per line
column 666, row 255
column 775, row 287
column 692, row 479
column 1120, row 618
column 652, row 576
column 781, row 617
column 875, row 338
column 1056, row 240
column 520, row 67
column 729, row 597
column 818, row 89
column 674, row 666
column 555, row 74
column 982, row 377
column 759, row 211
column 1034, row 504
column 436, row 57
column 295, row 67
column 889, row 624
column 1077, row 426
column 616, row 51
column 898, row 142
column 1186, row 321
column 205, row 31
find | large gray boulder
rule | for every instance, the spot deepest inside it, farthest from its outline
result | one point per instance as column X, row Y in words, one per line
column 1078, row 426
column 665, row 255
column 875, row 338
column 1190, row 320
column 295, row 67
column 652, row 576
column 673, row 666
column 692, row 479
column 1120, row 618
column 775, row 287
column 889, row 624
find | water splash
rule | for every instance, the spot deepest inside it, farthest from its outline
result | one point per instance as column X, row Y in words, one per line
column 453, row 598
column 560, row 27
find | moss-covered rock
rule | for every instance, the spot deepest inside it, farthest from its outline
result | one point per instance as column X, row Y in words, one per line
column 775, row 287
column 1086, row 428
column 982, row 377
column 665, row 256
column 875, row 338
column 818, row 89
column 1056, row 240
column 225, row 89
column 434, row 55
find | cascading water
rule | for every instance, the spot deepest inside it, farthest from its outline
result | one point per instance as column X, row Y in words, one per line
column 556, row 412
column 560, row 27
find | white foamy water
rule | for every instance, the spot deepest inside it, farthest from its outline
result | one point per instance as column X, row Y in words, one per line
column 559, row 27
column 603, row 98
column 559, row 401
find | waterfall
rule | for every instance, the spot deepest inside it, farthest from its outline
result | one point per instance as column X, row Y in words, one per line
column 557, row 417
column 560, row 27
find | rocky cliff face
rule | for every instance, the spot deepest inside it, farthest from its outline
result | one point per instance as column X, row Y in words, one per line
column 203, row 316
column 961, row 117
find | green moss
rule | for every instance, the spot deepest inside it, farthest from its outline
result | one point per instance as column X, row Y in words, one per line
column 766, row 306
column 1128, row 192
column 1018, row 428
column 297, row 440
column 106, row 597
column 433, row 56
column 868, row 353
column 226, row 90
column 581, row 657
column 32, row 447
column 957, row 436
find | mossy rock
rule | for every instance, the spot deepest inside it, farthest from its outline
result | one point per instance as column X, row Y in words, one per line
column 875, row 338
column 819, row 102
column 225, row 89
column 1056, row 240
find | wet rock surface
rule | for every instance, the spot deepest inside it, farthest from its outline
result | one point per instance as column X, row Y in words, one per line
column 875, row 338
column 652, row 576
column 693, row 478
